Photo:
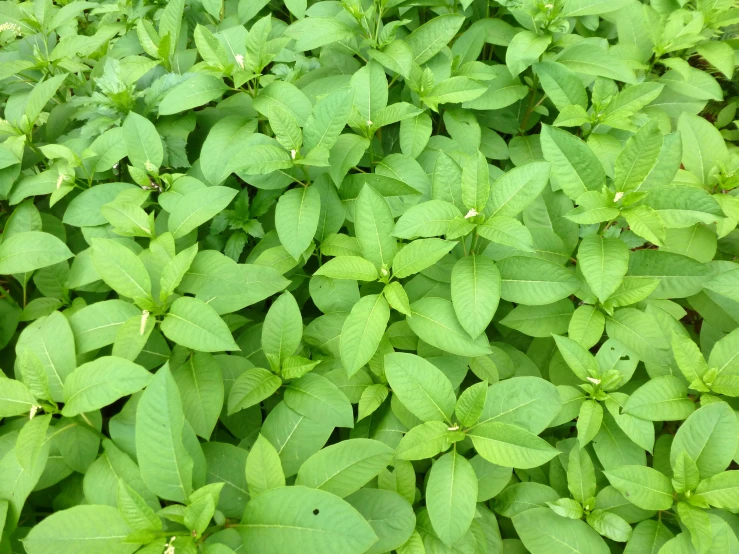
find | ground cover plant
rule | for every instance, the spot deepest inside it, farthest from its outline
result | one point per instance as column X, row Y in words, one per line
column 414, row 276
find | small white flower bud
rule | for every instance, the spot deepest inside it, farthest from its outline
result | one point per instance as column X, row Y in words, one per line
column 618, row 196
column 170, row 546
column 471, row 213
column 59, row 181
column 454, row 427
column 239, row 60
column 34, row 411
column 384, row 272
column 293, row 153
column 369, row 123
column 144, row 317
column 594, row 380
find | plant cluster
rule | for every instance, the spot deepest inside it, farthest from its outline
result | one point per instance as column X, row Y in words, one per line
column 369, row 276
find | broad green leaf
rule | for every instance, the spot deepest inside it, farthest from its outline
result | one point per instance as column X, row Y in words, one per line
column 524, row 50
column 390, row 515
column 299, row 518
column 709, row 437
column 143, row 146
column 345, row 467
column 197, row 207
column 510, row 446
column 604, row 262
column 534, row 281
column 362, row 331
column 434, row 320
column 418, row 255
column 451, row 495
column 194, row 324
column 200, row 382
column 373, row 223
column 518, row 188
column 643, row 486
column 197, row 90
column 282, row 329
column 424, row 441
column 251, row 387
column 575, row 168
column 296, row 218
column 422, row 388
column 166, row 466
column 121, row 269
column 319, row 399
column 544, row 532
column 97, row 384
column 661, row 399
column 475, row 291
column 263, row 468
column 703, row 146
column 428, row 39
column 82, row 530
column 31, row 250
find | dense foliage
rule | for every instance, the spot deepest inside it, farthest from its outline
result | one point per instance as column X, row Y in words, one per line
column 424, row 276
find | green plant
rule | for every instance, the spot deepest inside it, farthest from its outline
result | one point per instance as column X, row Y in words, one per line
column 458, row 273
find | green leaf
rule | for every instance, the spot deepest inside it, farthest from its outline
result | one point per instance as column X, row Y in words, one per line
column 303, row 519
column 296, row 219
column 703, row 146
column 197, row 90
column 420, row 254
column 471, row 403
column 575, row 168
column 511, row 446
column 524, row 50
column 197, row 207
column 390, row 515
column 422, row 388
column 101, row 382
column 319, row 399
column 362, row 331
column 535, row 281
column 282, row 329
column 424, row 441
column 345, row 467
column 166, row 466
column 643, row 486
column 263, row 468
column 143, row 146
column 201, row 388
column 661, row 399
column 426, row 219
column 82, row 530
column 638, row 162
column 31, row 250
column 580, row 475
column 709, row 437
column 428, row 39
column 251, row 387
column 544, row 532
column 475, row 291
column 328, row 119
column 121, row 269
column 451, row 496
column 15, row 398
column 518, row 188
column 507, row 231
column 373, row 224
column 194, row 324
column 604, row 263
column 721, row 490
column 434, row 321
